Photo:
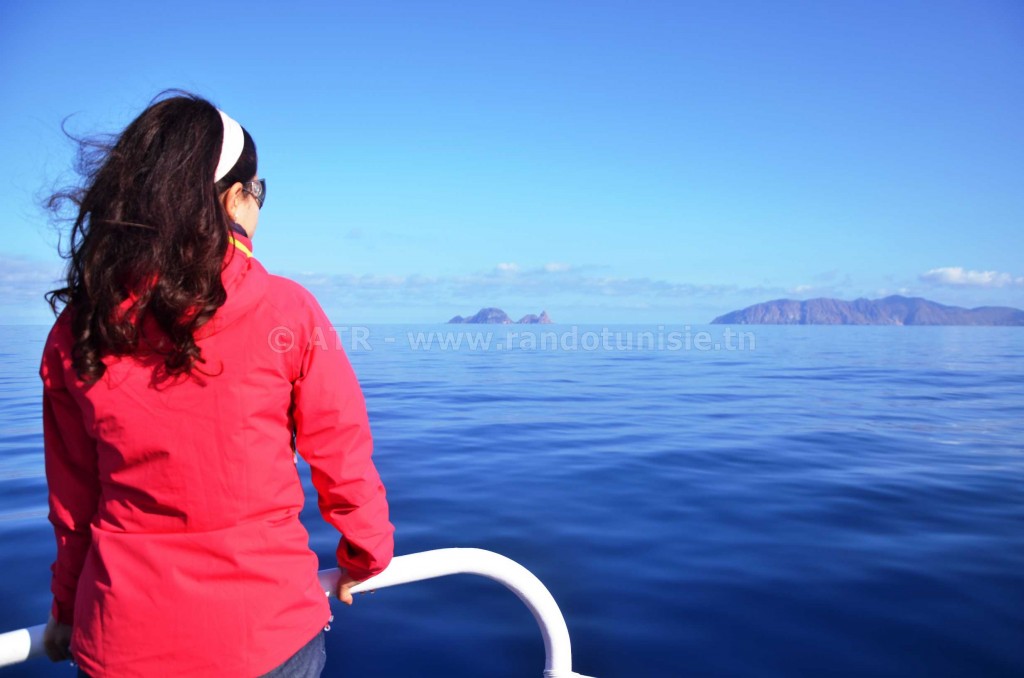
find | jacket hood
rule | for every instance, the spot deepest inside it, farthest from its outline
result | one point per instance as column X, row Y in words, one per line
column 245, row 282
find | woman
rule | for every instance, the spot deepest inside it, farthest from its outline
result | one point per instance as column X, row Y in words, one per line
column 179, row 381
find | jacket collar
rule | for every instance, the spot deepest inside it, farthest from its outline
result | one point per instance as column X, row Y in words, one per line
column 239, row 239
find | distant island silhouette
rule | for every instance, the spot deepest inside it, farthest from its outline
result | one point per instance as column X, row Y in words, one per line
column 893, row 310
column 495, row 316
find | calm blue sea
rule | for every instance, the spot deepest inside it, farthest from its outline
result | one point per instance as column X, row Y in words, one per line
column 843, row 501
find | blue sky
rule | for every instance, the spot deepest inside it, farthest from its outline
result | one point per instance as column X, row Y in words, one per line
column 610, row 162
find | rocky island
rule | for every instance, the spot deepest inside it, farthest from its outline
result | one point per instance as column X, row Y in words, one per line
column 893, row 310
column 495, row 316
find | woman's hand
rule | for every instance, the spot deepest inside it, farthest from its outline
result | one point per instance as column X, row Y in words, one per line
column 57, row 640
column 344, row 585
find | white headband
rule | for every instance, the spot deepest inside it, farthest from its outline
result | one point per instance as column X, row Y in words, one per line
column 231, row 147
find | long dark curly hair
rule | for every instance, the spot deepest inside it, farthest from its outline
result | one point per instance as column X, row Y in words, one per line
column 149, row 224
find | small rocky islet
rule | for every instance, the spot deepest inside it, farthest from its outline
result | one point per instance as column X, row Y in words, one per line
column 496, row 316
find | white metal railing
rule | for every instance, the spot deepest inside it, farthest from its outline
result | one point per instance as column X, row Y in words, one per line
column 17, row 646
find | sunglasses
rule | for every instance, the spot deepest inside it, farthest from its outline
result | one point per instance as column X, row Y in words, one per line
column 257, row 189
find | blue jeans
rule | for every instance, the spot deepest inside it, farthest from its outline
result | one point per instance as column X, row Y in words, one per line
column 308, row 662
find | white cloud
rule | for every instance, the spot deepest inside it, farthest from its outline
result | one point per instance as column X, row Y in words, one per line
column 542, row 282
column 23, row 283
column 556, row 267
column 24, row 279
column 828, row 284
column 956, row 276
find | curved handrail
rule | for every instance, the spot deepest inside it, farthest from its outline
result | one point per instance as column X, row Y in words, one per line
column 17, row 646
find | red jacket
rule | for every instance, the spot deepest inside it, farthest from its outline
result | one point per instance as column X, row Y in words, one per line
column 176, row 505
